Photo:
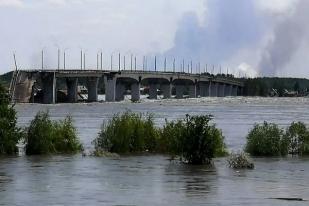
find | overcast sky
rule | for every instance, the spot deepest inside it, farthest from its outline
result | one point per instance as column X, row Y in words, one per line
column 256, row 37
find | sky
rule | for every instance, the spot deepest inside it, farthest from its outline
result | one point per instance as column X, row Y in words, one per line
column 242, row 37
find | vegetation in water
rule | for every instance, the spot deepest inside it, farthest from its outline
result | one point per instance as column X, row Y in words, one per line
column 240, row 160
column 10, row 134
column 266, row 139
column 128, row 133
column 297, row 135
column 45, row 136
column 193, row 139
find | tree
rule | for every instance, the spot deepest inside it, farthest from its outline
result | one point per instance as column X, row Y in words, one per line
column 10, row 134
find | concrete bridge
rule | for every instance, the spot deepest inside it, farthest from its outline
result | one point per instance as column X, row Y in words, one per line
column 117, row 84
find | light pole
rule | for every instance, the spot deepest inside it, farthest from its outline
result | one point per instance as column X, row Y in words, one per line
column 58, row 59
column 119, row 62
column 64, row 58
column 42, row 58
column 155, row 63
column 81, row 59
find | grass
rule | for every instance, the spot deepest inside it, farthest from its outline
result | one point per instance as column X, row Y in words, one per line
column 193, row 139
column 297, row 134
column 240, row 160
column 266, row 139
column 10, row 134
column 128, row 133
column 45, row 136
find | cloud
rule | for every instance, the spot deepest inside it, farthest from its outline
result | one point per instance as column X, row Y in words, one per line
column 229, row 26
column 11, row 3
column 137, row 26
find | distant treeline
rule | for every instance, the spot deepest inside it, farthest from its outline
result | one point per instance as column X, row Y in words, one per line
column 5, row 79
column 268, row 86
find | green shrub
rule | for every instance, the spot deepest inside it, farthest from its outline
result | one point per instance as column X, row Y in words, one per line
column 240, row 161
column 128, row 132
column 10, row 134
column 45, row 136
column 266, row 140
column 193, row 139
column 298, row 136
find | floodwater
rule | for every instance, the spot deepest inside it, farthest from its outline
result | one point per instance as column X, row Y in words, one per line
column 153, row 179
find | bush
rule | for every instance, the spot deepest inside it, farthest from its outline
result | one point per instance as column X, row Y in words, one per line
column 193, row 139
column 298, row 136
column 45, row 136
column 240, row 161
column 266, row 140
column 10, row 134
column 128, row 132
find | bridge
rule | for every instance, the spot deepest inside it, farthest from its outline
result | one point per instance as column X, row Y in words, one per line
column 27, row 84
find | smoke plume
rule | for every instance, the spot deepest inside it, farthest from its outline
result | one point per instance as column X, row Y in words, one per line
column 288, row 36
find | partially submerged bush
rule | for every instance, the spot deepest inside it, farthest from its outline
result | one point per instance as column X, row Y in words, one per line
column 266, row 140
column 194, row 139
column 298, row 136
column 10, row 134
column 128, row 132
column 45, row 136
column 240, row 161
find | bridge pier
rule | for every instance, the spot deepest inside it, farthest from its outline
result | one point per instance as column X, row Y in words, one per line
column 167, row 91
column 135, row 92
column 204, row 89
column 153, row 94
column 92, row 86
column 228, row 90
column 214, row 89
column 234, row 91
column 179, row 91
column 49, row 89
column 240, row 91
column 120, row 90
column 110, row 88
column 192, row 91
column 72, row 89
column 221, row 90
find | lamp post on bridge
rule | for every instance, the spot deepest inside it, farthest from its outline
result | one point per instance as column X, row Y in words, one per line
column 64, row 58
column 42, row 58
column 155, row 64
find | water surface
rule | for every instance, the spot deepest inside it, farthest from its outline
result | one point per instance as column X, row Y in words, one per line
column 153, row 179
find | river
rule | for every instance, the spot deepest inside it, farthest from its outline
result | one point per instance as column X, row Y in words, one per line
column 153, row 179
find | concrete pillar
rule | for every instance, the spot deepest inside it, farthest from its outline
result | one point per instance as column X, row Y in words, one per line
column 221, row 90
column 192, row 91
column 228, row 90
column 72, row 89
column 167, row 91
column 234, row 91
column 240, row 91
column 153, row 91
column 49, row 89
column 135, row 92
column 179, row 91
column 204, row 89
column 120, row 90
column 110, row 88
column 92, row 86
column 214, row 89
